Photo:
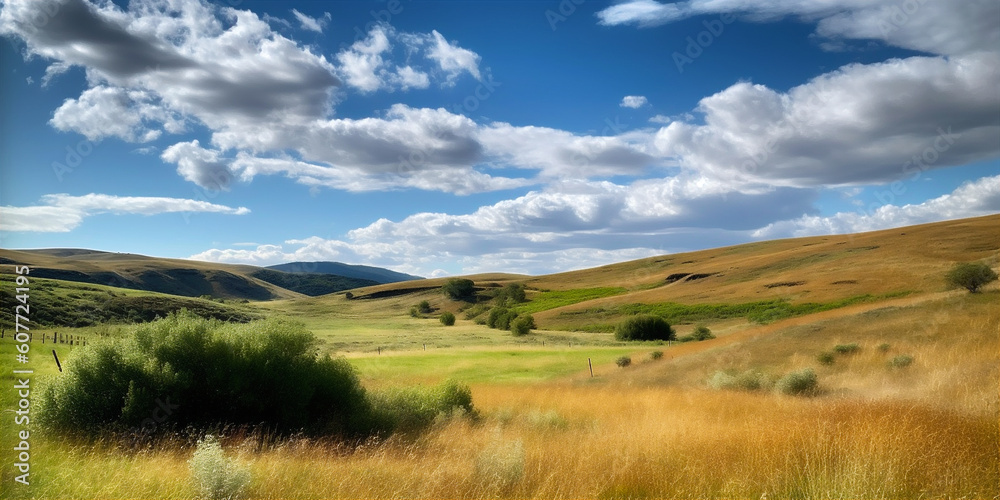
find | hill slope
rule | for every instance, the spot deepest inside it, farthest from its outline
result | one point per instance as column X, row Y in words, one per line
column 376, row 274
column 137, row 272
column 778, row 278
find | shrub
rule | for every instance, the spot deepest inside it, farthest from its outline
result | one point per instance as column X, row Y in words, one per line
column 522, row 325
column 500, row 465
column 644, row 327
column 475, row 311
column 901, row 361
column 970, row 275
column 655, row 355
column 217, row 477
column 750, row 380
column 202, row 373
column 413, row 409
column 500, row 318
column 825, row 358
column 424, row 307
column 460, row 289
column 883, row 348
column 798, row 383
column 702, row 333
column 415, row 312
column 512, row 293
column 349, row 295
column 623, row 361
column 846, row 348
column 447, row 319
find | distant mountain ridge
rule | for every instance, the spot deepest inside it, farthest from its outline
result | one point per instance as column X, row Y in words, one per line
column 356, row 271
column 185, row 278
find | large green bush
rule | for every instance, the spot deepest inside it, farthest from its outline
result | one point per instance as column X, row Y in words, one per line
column 186, row 371
column 411, row 409
column 644, row 327
column 500, row 318
column 460, row 289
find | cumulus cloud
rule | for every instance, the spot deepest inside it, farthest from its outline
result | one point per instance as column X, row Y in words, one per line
column 569, row 224
column 859, row 124
column 104, row 111
column 972, row 199
column 452, row 59
column 633, row 101
column 63, row 213
column 201, row 166
column 312, row 23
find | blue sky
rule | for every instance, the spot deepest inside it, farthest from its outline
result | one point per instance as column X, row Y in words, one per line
column 447, row 137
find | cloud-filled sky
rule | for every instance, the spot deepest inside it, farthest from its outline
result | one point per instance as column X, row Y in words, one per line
column 442, row 138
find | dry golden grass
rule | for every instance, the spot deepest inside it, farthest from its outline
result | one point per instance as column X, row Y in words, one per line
column 571, row 441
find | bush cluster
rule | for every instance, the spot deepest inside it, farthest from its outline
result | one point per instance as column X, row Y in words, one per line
column 184, row 371
column 502, row 318
column 623, row 361
column 700, row 333
column 512, row 293
column 644, row 327
column 800, row 383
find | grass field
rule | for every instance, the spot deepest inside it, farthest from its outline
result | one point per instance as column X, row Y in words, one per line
column 910, row 412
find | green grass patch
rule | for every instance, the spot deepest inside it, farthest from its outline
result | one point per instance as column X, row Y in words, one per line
column 604, row 319
column 544, row 301
column 482, row 365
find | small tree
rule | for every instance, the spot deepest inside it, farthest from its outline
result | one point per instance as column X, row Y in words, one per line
column 644, row 327
column 424, row 307
column 522, row 325
column 447, row 319
column 513, row 293
column 460, row 289
column 971, row 275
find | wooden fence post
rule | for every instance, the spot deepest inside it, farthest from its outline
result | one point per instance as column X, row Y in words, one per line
column 589, row 363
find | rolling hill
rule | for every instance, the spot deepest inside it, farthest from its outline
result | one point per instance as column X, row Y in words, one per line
column 376, row 274
column 773, row 279
column 184, row 278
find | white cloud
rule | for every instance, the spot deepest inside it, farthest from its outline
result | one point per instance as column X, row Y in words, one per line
column 63, row 213
column 972, row 199
column 116, row 112
column 571, row 224
column 951, row 28
column 362, row 63
column 645, row 13
column 201, row 166
column 859, row 124
column 312, row 23
column 453, row 59
column 633, row 101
